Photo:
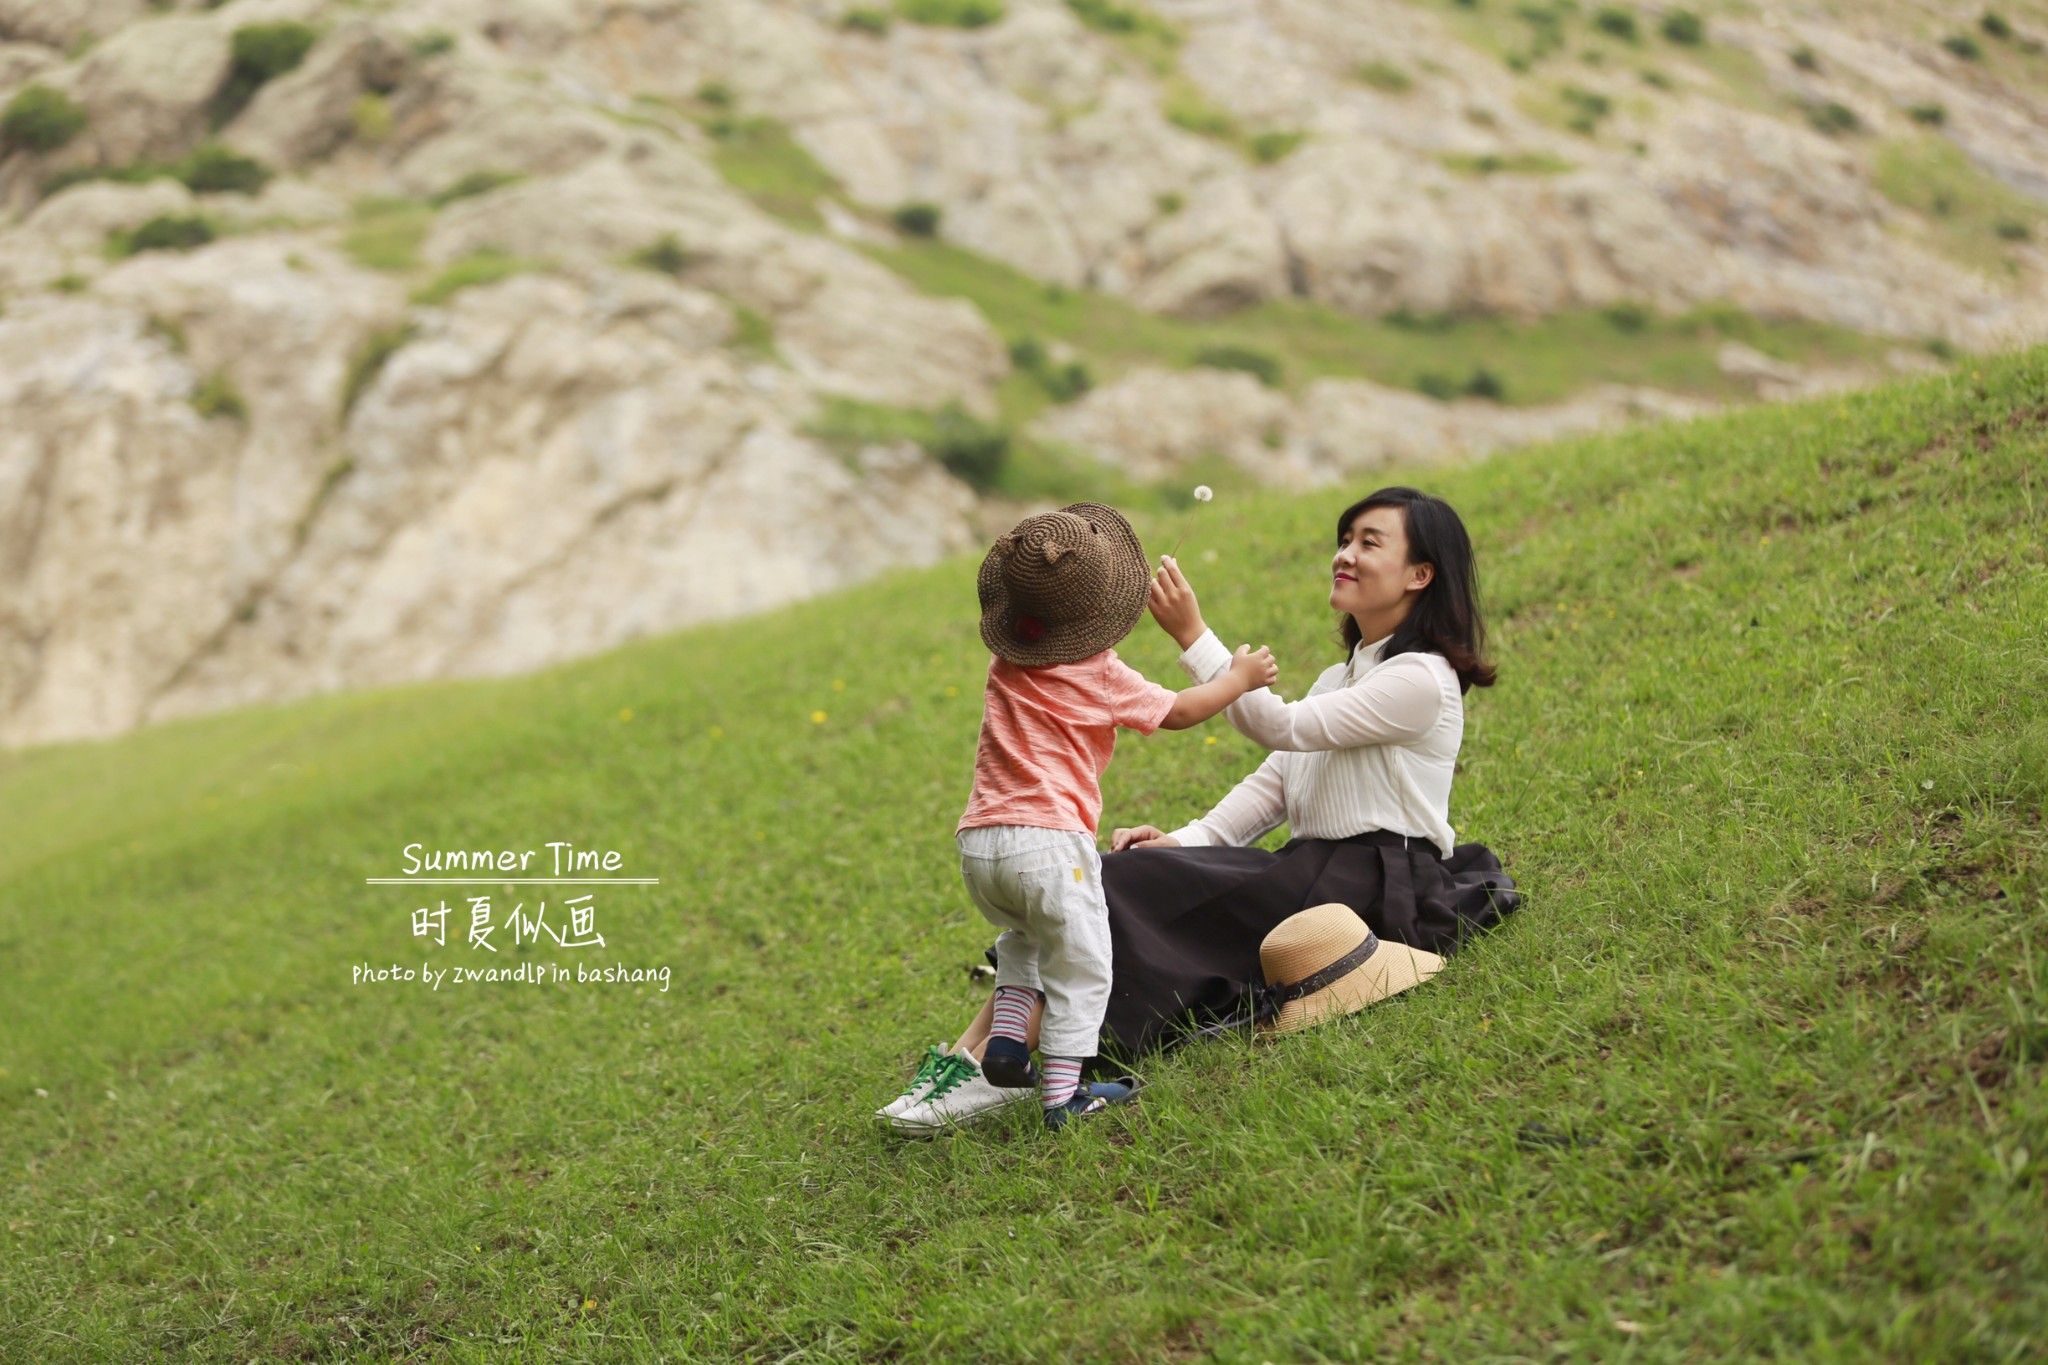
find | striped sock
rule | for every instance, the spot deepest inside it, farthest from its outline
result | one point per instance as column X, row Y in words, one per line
column 1059, row 1078
column 1013, row 1012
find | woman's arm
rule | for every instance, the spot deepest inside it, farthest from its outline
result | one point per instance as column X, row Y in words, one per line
column 1254, row 808
column 1398, row 704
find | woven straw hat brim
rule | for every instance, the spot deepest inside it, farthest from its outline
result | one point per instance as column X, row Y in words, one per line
column 1123, row 601
column 1310, row 941
column 1394, row 968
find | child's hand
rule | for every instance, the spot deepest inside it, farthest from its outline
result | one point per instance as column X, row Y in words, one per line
column 1173, row 605
column 1254, row 670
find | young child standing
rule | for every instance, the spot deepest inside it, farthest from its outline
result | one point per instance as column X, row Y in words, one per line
column 1056, row 593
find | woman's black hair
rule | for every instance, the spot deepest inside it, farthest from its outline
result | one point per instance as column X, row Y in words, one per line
column 1445, row 617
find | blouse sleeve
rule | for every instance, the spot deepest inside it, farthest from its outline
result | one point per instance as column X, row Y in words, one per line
column 1254, row 808
column 1397, row 704
column 1205, row 658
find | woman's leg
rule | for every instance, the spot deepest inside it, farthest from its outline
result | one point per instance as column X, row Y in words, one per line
column 975, row 1040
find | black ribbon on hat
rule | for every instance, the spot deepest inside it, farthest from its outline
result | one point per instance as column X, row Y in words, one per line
column 1267, row 1001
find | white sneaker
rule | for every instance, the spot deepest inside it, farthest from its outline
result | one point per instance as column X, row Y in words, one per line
column 960, row 1095
column 927, row 1071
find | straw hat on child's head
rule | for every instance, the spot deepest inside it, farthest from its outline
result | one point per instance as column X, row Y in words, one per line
column 1062, row 585
column 1323, row 961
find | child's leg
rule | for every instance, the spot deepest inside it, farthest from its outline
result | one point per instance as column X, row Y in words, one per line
column 990, row 862
column 1070, row 921
column 1010, row 1012
column 972, row 1041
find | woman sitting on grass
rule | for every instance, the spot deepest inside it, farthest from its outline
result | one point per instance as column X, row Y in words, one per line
column 1361, row 774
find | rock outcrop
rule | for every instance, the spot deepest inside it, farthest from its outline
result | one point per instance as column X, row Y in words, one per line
column 527, row 344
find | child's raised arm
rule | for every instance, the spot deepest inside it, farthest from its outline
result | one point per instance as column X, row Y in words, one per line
column 1248, row 672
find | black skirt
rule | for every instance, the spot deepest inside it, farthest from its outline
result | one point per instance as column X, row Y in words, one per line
column 1185, row 923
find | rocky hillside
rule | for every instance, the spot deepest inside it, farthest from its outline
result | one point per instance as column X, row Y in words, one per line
column 350, row 343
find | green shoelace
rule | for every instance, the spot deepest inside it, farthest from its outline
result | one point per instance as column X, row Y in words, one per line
column 953, row 1071
column 928, row 1069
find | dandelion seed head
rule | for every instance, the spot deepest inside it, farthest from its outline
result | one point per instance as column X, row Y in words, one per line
column 1203, row 492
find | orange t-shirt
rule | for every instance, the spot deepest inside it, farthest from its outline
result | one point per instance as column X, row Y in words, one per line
column 1046, row 737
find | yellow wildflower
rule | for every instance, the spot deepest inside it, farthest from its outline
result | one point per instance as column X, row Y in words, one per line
column 817, row 717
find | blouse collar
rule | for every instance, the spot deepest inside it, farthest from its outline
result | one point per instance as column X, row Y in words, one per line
column 1367, row 655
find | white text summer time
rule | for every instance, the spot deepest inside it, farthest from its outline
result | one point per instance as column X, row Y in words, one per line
column 566, row 858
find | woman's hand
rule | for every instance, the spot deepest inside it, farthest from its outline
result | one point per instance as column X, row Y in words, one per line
column 1144, row 836
column 1173, row 605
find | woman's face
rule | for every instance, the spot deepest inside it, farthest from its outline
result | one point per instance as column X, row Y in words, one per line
column 1370, row 576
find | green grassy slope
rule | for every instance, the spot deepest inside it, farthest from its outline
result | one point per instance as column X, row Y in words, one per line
column 1757, row 1070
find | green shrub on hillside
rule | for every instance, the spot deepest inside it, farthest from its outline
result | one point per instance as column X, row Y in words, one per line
column 1481, row 383
column 1587, row 108
column 1833, row 117
column 665, row 254
column 753, row 335
column 165, row 232
column 472, row 184
column 259, row 53
column 1384, row 77
column 1684, row 27
column 918, row 220
column 1626, row 317
column 217, row 396
column 1619, row 23
column 1187, row 107
column 368, row 363
column 951, row 13
column 758, row 157
column 486, row 266
column 1505, row 163
column 1274, row 145
column 1260, row 365
column 974, row 450
column 40, row 119
column 386, row 233
column 874, row 22
column 371, row 117
column 214, row 169
column 1063, row 383
column 1106, row 16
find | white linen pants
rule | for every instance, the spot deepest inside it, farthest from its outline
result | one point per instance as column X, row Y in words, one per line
column 1043, row 889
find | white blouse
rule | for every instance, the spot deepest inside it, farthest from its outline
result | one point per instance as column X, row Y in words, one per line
column 1372, row 746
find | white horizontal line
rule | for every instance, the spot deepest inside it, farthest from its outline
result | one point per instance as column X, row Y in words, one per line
column 512, row 881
